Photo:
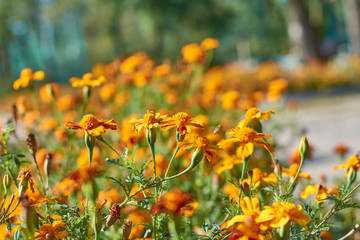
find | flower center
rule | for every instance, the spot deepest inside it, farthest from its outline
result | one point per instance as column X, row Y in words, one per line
column 201, row 142
column 246, row 135
column 89, row 122
column 150, row 118
column 182, row 118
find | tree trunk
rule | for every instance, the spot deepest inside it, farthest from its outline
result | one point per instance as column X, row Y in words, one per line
column 300, row 31
column 352, row 17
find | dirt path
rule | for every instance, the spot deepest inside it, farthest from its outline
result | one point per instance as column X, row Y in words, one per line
column 328, row 121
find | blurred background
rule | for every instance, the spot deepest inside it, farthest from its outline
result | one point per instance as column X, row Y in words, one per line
column 65, row 38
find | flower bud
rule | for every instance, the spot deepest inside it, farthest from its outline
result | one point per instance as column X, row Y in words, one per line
column 245, row 188
column 351, row 177
column 151, row 136
column 196, row 157
column 127, row 229
column 31, row 143
column 28, row 213
column 47, row 165
column 90, row 144
column 179, row 137
column 90, row 189
column 6, row 183
column 114, row 214
column 250, row 173
column 304, row 147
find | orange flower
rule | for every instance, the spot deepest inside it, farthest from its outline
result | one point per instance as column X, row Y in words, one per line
column 248, row 225
column 27, row 76
column 227, row 163
column 182, row 121
column 25, row 179
column 320, row 190
column 87, row 80
column 209, row 44
column 230, row 100
column 48, row 91
column 51, row 231
column 193, row 53
column 255, row 114
column 341, row 149
column 352, row 162
column 283, row 212
column 204, row 145
column 292, row 170
column 247, row 138
column 92, row 125
column 150, row 120
column 175, row 202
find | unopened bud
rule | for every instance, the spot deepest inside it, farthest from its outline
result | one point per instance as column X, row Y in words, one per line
column 245, row 188
column 15, row 112
column 151, row 136
column 250, row 173
column 257, row 125
column 304, row 147
column 6, row 183
column 90, row 189
column 31, row 143
column 29, row 215
column 90, row 144
column 114, row 215
column 180, row 137
column 47, row 165
column 127, row 229
column 351, row 177
column 196, row 157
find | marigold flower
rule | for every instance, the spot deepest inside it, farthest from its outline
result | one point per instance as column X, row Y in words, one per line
column 292, row 170
column 175, row 202
column 353, row 162
column 51, row 231
column 247, row 138
column 92, row 125
column 193, row 53
column 26, row 77
column 182, row 121
column 255, row 114
column 209, row 150
column 150, row 120
column 230, row 100
column 276, row 88
column 227, row 163
column 209, row 44
column 25, row 179
column 108, row 91
column 283, row 212
column 320, row 190
column 341, row 149
column 87, row 80
column 49, row 91
column 66, row 102
column 259, row 176
column 248, row 225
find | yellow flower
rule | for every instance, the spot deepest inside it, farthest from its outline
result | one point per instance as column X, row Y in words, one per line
column 25, row 179
column 209, row 44
column 87, row 80
column 210, row 151
column 193, row 53
column 51, row 231
column 248, row 225
column 247, row 137
column 292, row 170
column 255, row 114
column 150, row 120
column 48, row 91
column 283, row 212
column 227, row 163
column 92, row 125
column 230, row 100
column 182, row 121
column 27, row 76
column 320, row 190
column 352, row 162
column 276, row 88
column 259, row 176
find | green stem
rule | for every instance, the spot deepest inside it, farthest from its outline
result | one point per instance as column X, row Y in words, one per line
column 297, row 173
column 34, row 98
column 101, row 139
column 152, row 148
column 38, row 170
column 171, row 160
column 278, row 174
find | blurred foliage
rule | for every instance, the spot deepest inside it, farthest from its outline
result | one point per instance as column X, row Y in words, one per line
column 65, row 38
